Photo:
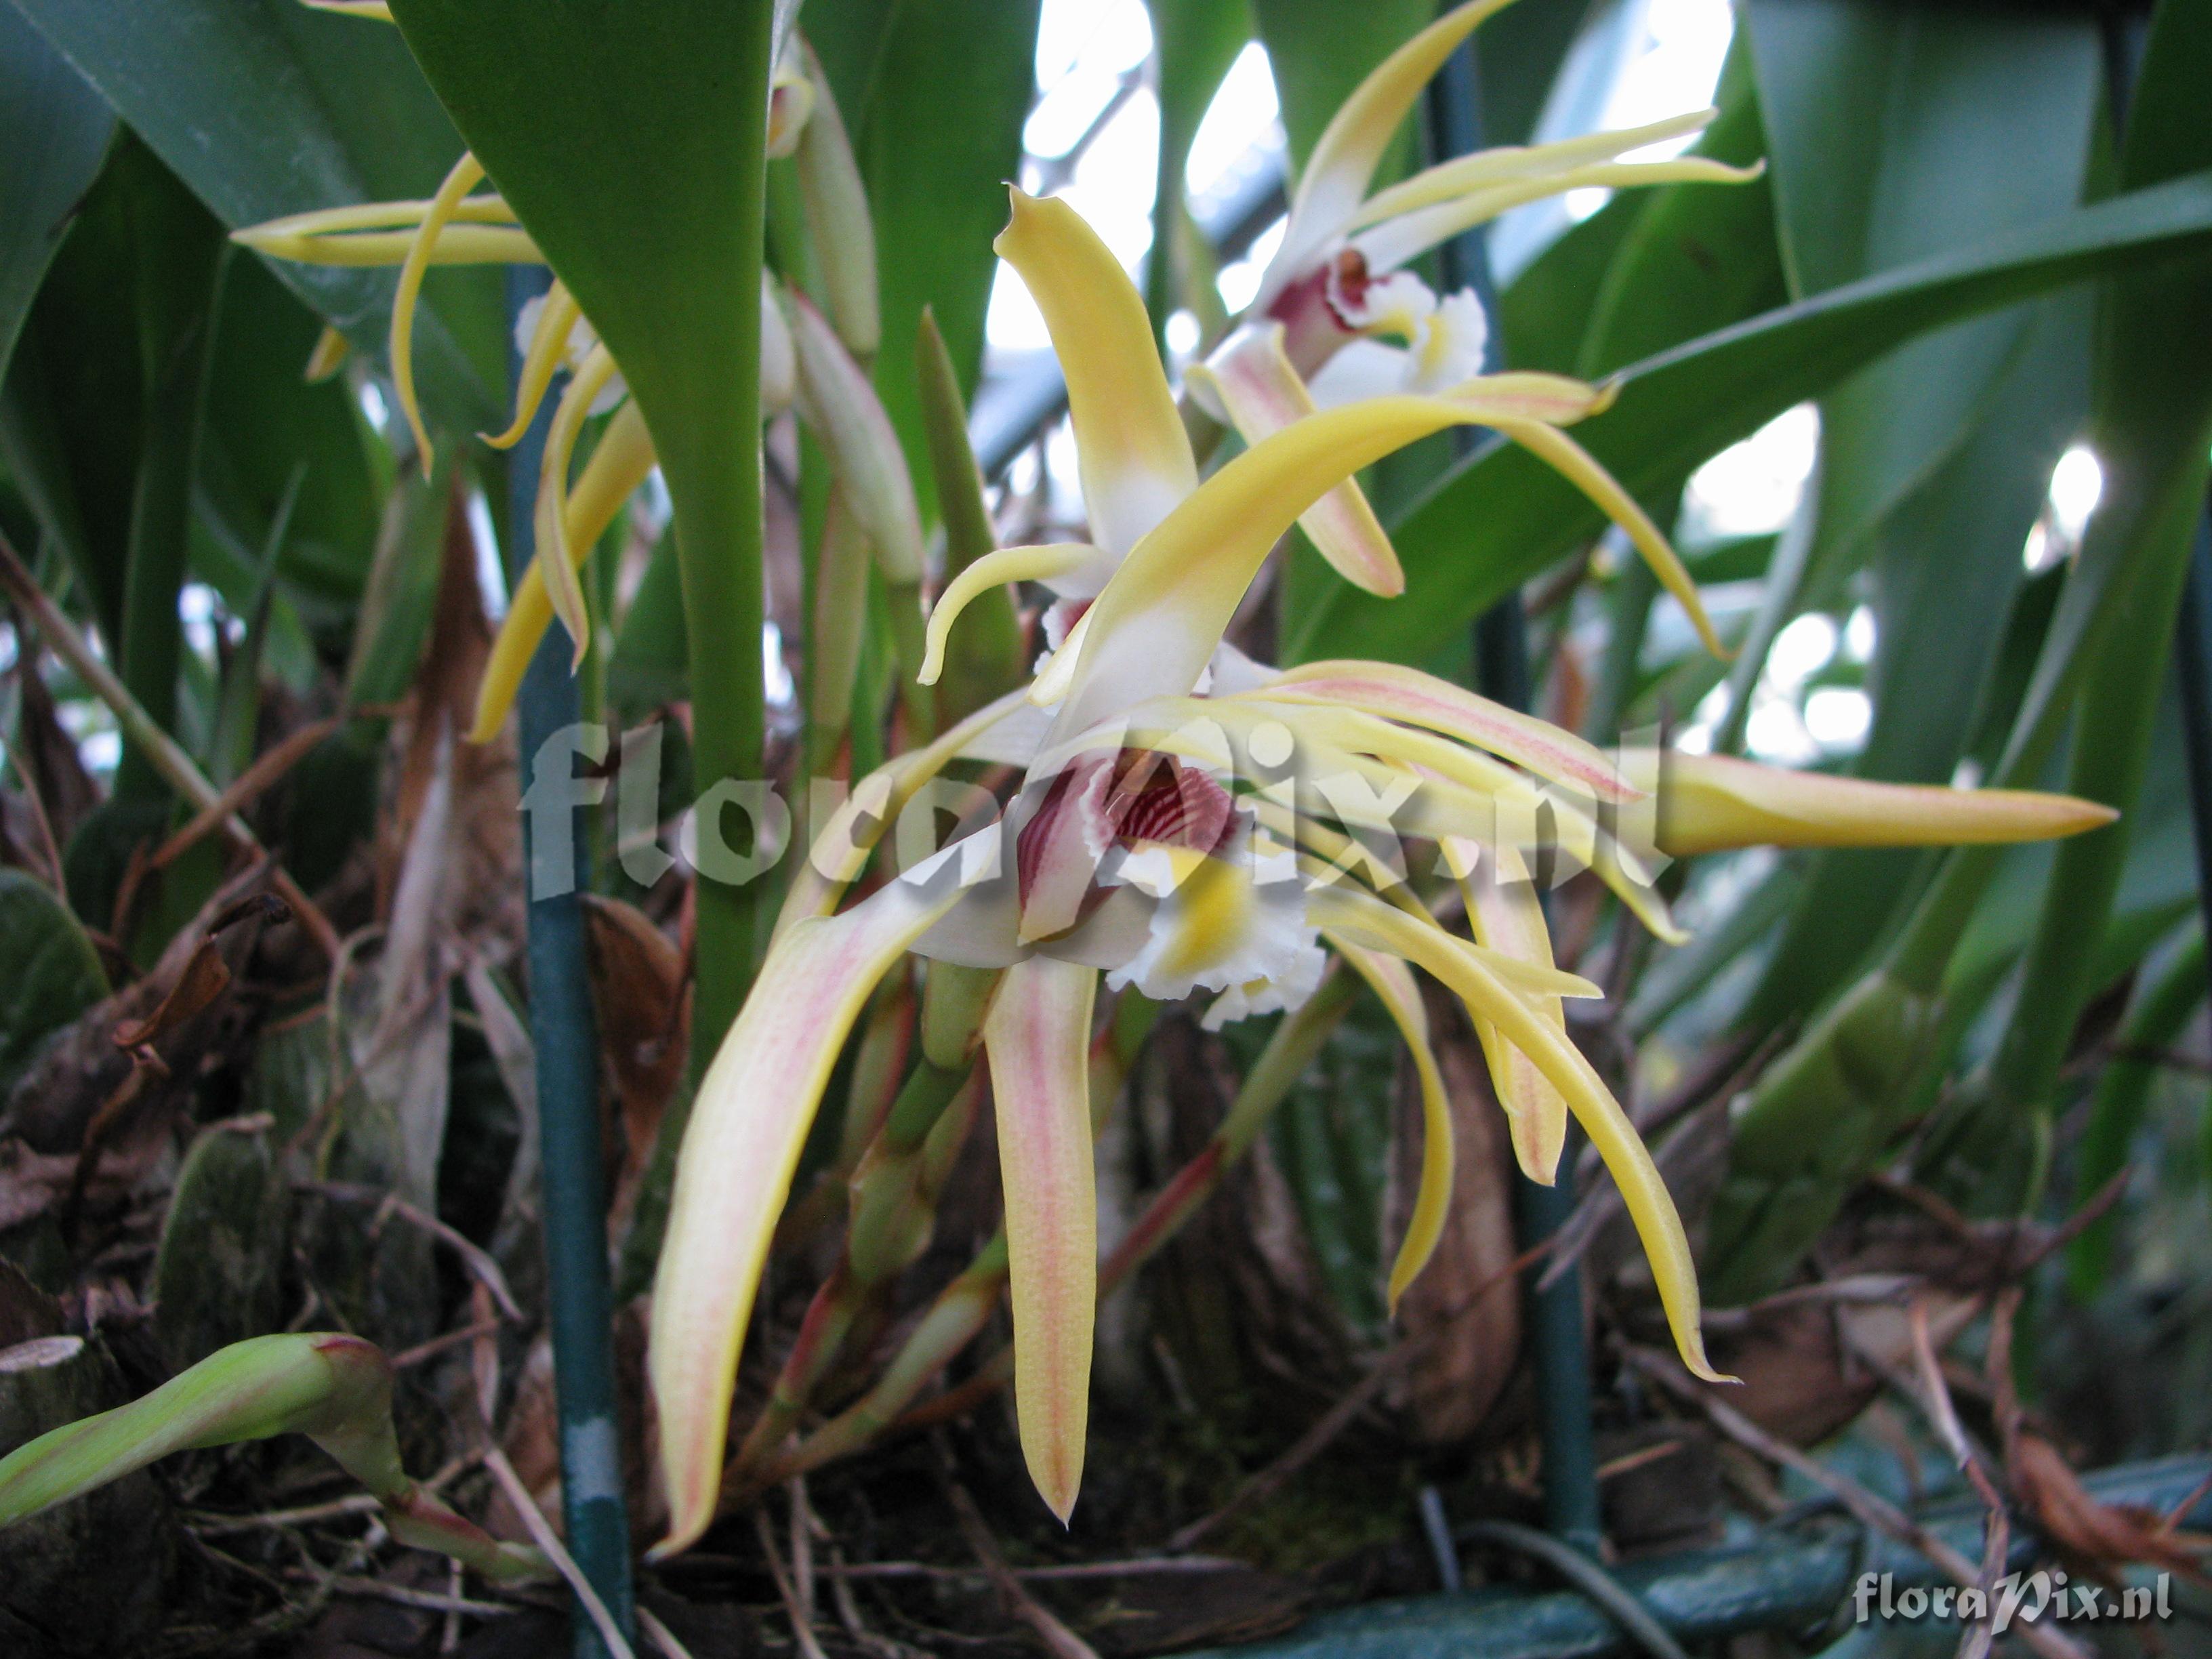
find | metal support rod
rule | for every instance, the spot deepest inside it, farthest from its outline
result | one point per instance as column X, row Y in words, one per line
column 1558, row 1344
column 563, row 1031
column 1789, row 1580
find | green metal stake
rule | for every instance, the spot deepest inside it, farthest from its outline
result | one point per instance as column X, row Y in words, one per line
column 567, row 1042
column 1559, row 1346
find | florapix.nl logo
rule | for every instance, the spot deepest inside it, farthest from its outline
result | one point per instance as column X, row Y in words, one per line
column 2018, row 1598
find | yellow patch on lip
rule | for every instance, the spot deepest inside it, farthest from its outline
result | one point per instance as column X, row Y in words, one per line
column 1212, row 909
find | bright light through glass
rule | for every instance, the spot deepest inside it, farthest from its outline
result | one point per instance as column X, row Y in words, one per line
column 1244, row 113
column 1800, row 650
column 2076, row 482
column 1751, row 488
column 1838, row 716
column 1182, row 332
column 1859, row 635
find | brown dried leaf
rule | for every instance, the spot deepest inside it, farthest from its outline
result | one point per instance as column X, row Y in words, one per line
column 642, row 1000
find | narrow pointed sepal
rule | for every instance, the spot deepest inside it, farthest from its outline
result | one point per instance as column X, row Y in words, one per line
column 751, row 1118
column 1710, row 803
column 1038, row 1038
column 1132, row 451
column 1392, row 983
column 619, row 466
column 1252, row 381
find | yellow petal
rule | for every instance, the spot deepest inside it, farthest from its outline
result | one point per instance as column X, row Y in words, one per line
column 1345, row 157
column 1154, row 628
column 1388, row 978
column 1580, row 468
column 1398, row 693
column 619, row 466
column 1131, row 453
column 1447, row 181
column 1007, row 564
column 327, row 358
column 554, row 555
column 1038, row 1038
column 464, row 178
column 1058, row 673
column 549, row 350
column 1708, row 802
column 843, row 842
column 1262, row 393
column 1386, row 246
column 1369, row 920
column 375, row 10
column 1506, row 913
column 754, row 1108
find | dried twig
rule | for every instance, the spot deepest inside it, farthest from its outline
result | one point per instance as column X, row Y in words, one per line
column 244, row 790
column 476, row 1260
column 1868, row 1509
column 802, row 1628
column 1934, row 1395
column 166, row 756
column 542, row 1534
column 1311, row 1444
column 1060, row 1641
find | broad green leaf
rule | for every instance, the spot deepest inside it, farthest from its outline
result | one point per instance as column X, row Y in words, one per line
column 54, row 128
column 1700, row 256
column 102, row 407
column 938, row 137
column 262, row 422
column 267, row 107
column 1517, row 56
column 1984, row 128
column 1944, row 567
column 630, row 141
column 53, row 975
column 1195, row 42
column 1936, row 461
column 1500, row 516
column 2151, row 424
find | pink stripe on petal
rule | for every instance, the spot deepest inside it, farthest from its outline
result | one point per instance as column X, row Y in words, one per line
column 751, row 1119
column 1038, row 1038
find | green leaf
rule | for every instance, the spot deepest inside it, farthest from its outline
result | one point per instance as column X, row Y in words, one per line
column 266, row 107
column 54, row 128
column 656, row 226
column 53, row 975
column 1195, row 42
column 1936, row 461
column 262, row 422
column 2151, row 424
column 938, row 137
column 1985, row 127
column 1700, row 256
column 1500, row 516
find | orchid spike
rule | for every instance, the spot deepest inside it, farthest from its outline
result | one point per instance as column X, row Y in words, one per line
column 1186, row 820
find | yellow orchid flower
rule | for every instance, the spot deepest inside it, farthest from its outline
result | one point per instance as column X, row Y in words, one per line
column 1188, row 820
column 1339, row 277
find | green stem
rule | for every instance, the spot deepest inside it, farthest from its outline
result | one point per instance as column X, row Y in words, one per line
column 715, row 486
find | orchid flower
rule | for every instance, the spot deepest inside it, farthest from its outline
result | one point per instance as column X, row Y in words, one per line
column 1339, row 278
column 1188, row 821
